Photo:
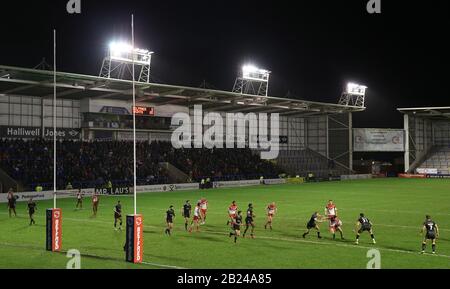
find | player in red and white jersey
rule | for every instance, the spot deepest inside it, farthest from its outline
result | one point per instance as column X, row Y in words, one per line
column 271, row 210
column 196, row 219
column 336, row 225
column 95, row 201
column 203, row 209
column 331, row 210
column 232, row 212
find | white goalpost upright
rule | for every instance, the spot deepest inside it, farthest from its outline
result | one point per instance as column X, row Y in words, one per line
column 134, row 117
column 54, row 215
column 54, row 119
column 134, row 246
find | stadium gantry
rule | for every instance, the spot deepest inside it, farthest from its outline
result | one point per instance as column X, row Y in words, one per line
column 314, row 136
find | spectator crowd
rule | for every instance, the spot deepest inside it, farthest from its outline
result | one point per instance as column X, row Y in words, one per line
column 88, row 164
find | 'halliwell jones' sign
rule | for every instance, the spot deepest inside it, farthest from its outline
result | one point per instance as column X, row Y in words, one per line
column 36, row 132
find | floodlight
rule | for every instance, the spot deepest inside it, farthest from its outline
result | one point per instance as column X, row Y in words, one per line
column 123, row 51
column 356, row 89
column 250, row 71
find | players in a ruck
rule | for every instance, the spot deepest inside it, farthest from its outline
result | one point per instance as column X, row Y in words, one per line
column 187, row 208
column 31, row 210
column 364, row 224
column 118, row 215
column 236, row 226
column 312, row 224
column 430, row 230
column 95, row 201
column 170, row 215
column 271, row 210
column 232, row 210
column 79, row 200
column 249, row 221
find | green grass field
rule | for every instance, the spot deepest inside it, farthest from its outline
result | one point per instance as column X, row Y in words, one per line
column 396, row 207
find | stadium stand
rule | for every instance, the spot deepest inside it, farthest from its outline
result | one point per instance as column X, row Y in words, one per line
column 438, row 158
column 92, row 164
column 303, row 162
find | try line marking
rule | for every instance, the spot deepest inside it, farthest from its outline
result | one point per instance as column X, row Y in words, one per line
column 35, row 247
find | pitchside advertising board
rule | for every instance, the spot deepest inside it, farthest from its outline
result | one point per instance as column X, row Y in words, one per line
column 54, row 230
column 114, row 191
column 37, row 132
column 134, row 245
column 378, row 140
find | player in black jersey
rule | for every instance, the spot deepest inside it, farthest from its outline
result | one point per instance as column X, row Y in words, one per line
column 79, row 200
column 431, row 231
column 249, row 221
column 236, row 226
column 312, row 224
column 364, row 224
column 31, row 210
column 12, row 199
column 170, row 214
column 187, row 208
column 118, row 215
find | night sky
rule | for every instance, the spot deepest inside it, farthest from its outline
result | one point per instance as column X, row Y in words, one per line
column 312, row 47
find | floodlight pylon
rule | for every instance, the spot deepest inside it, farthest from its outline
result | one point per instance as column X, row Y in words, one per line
column 252, row 80
column 353, row 95
column 118, row 63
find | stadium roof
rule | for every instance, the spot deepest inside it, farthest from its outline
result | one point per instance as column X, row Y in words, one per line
column 428, row 112
column 39, row 83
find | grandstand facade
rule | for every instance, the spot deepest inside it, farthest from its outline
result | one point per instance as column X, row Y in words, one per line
column 427, row 145
column 314, row 137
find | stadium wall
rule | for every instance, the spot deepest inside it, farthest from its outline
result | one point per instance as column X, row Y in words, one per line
column 27, row 111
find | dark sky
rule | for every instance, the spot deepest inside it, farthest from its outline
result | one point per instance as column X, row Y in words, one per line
column 312, row 47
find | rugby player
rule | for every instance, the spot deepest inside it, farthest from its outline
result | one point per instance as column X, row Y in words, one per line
column 336, row 225
column 312, row 224
column 430, row 230
column 118, row 215
column 330, row 210
column 203, row 209
column 232, row 209
column 187, row 208
column 196, row 219
column 236, row 226
column 79, row 200
column 170, row 215
column 271, row 210
column 95, row 201
column 31, row 210
column 249, row 221
column 11, row 202
column 364, row 224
